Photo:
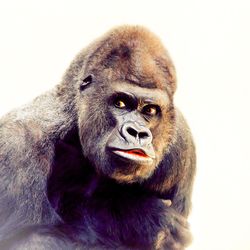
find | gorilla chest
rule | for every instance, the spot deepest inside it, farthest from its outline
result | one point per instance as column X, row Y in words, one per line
column 123, row 214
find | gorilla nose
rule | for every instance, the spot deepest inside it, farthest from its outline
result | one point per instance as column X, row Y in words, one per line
column 134, row 132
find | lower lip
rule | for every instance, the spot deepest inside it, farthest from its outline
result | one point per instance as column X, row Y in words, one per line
column 132, row 156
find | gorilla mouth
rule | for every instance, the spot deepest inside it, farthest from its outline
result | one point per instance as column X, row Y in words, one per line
column 132, row 154
column 138, row 152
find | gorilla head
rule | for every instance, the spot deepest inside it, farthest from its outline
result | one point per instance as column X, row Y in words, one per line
column 126, row 115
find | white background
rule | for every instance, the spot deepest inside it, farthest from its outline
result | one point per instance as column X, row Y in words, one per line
column 210, row 45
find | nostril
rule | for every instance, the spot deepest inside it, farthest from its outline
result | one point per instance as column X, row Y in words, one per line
column 143, row 135
column 132, row 132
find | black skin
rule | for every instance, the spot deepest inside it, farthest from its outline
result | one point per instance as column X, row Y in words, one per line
column 96, row 209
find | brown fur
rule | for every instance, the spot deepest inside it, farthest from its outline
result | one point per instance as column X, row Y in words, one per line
column 54, row 167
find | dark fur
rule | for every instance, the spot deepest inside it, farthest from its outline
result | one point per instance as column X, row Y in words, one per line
column 58, row 188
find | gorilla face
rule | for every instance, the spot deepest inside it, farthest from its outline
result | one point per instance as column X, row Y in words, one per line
column 125, row 129
column 126, row 115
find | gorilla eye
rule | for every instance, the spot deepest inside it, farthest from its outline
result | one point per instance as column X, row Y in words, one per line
column 120, row 104
column 151, row 110
column 123, row 100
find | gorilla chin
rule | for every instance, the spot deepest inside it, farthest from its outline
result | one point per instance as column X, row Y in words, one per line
column 131, row 166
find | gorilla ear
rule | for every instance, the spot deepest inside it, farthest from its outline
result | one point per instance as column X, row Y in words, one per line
column 88, row 80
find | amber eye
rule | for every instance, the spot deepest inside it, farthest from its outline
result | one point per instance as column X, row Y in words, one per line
column 150, row 110
column 120, row 104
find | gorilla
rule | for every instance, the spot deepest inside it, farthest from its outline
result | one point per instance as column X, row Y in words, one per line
column 104, row 160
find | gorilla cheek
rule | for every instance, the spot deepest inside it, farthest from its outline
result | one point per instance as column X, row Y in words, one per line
column 94, row 149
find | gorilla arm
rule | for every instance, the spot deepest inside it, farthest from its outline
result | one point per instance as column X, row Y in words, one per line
column 27, row 138
column 184, row 163
column 26, row 154
column 173, row 181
